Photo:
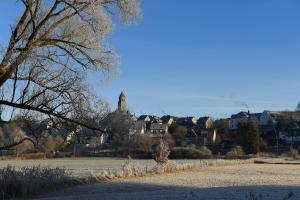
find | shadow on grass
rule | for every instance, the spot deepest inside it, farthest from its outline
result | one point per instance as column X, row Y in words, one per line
column 132, row 191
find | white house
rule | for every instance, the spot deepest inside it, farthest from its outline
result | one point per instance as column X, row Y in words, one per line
column 268, row 117
column 241, row 117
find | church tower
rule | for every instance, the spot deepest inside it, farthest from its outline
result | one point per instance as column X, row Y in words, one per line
column 122, row 103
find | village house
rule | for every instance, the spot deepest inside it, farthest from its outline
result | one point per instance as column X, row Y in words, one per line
column 149, row 119
column 168, row 119
column 205, row 122
column 201, row 137
column 273, row 117
column 145, row 118
column 159, row 128
column 243, row 117
column 290, row 133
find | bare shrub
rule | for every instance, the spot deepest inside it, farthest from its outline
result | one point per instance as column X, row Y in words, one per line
column 294, row 153
column 161, row 155
column 10, row 134
column 143, row 142
column 50, row 144
column 205, row 151
column 127, row 170
column 96, row 143
column 28, row 181
column 179, row 133
column 168, row 138
column 235, row 152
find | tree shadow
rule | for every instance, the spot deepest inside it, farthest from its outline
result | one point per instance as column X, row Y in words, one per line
column 134, row 191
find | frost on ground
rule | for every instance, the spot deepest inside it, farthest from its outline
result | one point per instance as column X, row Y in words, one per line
column 234, row 182
column 80, row 167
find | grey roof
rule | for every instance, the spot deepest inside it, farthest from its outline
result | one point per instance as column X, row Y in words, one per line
column 153, row 119
column 166, row 118
column 143, row 117
column 294, row 115
column 240, row 115
column 203, row 119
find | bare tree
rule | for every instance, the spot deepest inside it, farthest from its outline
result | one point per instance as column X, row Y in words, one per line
column 52, row 48
column 12, row 134
column 119, row 125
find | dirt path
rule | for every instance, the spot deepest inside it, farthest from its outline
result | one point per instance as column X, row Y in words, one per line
column 226, row 183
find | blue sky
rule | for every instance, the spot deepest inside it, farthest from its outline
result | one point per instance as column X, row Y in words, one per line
column 204, row 57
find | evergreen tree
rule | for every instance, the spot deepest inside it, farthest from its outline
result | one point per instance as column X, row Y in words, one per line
column 248, row 136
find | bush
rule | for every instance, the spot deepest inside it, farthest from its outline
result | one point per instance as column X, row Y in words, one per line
column 205, row 150
column 11, row 133
column 190, row 153
column 294, row 153
column 143, row 142
column 179, row 133
column 236, row 152
column 28, row 181
column 50, row 144
column 161, row 155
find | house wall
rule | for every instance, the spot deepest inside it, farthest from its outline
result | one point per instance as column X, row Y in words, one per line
column 170, row 122
column 159, row 130
column 233, row 123
column 194, row 121
column 265, row 119
column 209, row 123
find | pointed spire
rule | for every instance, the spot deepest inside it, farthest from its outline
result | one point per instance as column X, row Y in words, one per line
column 122, row 94
column 122, row 103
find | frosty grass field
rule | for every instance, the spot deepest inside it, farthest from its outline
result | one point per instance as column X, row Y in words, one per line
column 272, row 181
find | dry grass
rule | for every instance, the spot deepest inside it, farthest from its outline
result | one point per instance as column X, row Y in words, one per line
column 235, row 152
column 28, row 181
column 129, row 170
